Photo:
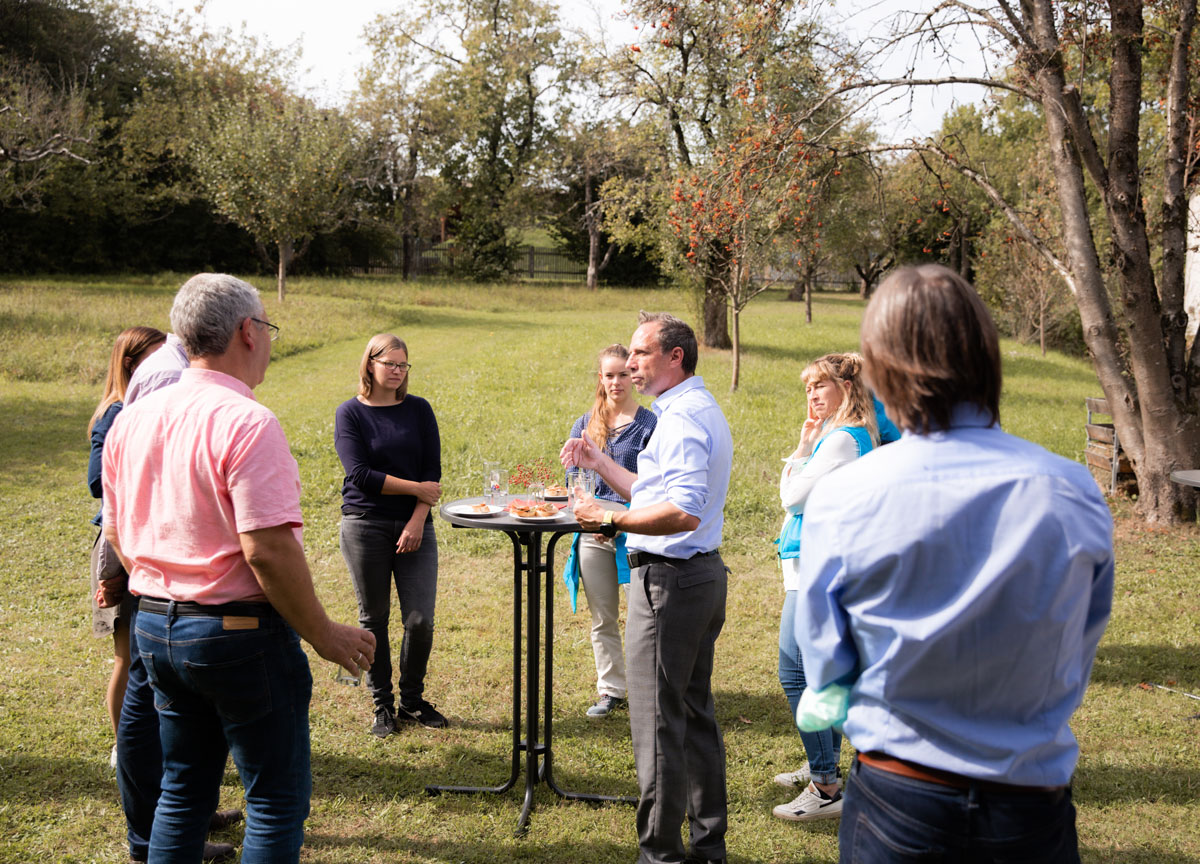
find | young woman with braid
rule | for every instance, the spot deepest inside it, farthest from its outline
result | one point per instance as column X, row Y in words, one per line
column 619, row 426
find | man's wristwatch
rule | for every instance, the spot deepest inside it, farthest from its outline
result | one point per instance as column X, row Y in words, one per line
column 607, row 527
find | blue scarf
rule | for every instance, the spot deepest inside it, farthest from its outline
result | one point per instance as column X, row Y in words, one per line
column 789, row 538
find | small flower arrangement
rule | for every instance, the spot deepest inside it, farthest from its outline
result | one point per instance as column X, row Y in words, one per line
column 526, row 475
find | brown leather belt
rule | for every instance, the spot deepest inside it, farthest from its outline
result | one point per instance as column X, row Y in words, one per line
column 904, row 768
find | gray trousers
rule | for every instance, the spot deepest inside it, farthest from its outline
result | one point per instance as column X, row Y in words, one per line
column 676, row 611
column 369, row 549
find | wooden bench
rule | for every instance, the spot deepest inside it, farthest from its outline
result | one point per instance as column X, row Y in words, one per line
column 1103, row 451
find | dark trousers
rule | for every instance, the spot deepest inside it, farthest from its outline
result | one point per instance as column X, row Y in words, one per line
column 889, row 819
column 369, row 549
column 139, row 751
column 676, row 611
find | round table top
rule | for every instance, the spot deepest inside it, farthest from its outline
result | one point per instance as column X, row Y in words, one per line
column 1186, row 478
column 564, row 522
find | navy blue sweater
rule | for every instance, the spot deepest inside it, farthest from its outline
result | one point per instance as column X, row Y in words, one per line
column 372, row 442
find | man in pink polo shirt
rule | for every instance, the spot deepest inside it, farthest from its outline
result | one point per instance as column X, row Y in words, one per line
column 202, row 502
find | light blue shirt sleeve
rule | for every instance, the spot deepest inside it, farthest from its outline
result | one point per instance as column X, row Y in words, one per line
column 683, row 461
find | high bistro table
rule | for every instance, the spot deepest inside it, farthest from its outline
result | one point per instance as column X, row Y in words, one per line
column 527, row 538
column 1186, row 478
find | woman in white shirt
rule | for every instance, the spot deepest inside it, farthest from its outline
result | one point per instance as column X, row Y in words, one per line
column 839, row 428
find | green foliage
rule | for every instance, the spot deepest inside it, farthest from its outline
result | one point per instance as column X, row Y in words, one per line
column 489, row 74
column 278, row 167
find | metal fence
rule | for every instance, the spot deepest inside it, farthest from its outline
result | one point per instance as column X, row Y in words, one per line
column 438, row 259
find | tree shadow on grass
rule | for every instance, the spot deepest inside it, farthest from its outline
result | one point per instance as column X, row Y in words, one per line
column 472, row 852
column 30, row 779
column 1135, row 856
column 1129, row 665
column 804, row 351
column 1148, row 784
column 43, row 433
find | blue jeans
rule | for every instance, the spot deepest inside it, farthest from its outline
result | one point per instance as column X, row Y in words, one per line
column 889, row 819
column 139, row 751
column 369, row 549
column 824, row 748
column 218, row 690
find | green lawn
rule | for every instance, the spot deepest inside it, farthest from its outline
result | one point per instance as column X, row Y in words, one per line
column 508, row 368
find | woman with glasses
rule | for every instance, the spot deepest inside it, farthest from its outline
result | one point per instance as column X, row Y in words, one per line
column 390, row 449
column 132, row 347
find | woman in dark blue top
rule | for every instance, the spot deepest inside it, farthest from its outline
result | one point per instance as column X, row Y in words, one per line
column 622, row 428
column 132, row 346
column 388, row 442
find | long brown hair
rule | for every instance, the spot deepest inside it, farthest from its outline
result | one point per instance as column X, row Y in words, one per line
column 857, row 408
column 599, row 426
column 132, row 343
column 380, row 344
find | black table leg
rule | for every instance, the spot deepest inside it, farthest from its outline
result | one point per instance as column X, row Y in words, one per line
column 519, row 567
column 548, row 764
column 527, row 561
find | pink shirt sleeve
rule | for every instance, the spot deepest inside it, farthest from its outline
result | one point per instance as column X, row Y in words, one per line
column 263, row 478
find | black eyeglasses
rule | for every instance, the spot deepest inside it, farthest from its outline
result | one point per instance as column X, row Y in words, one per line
column 399, row 367
column 274, row 330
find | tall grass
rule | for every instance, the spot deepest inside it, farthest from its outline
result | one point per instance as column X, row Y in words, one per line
column 507, row 369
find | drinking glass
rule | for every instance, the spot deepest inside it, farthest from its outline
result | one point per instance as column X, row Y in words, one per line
column 581, row 486
column 491, row 481
column 499, row 488
column 536, row 493
column 342, row 676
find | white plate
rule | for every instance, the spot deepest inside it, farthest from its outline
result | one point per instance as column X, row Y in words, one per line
column 468, row 510
column 538, row 518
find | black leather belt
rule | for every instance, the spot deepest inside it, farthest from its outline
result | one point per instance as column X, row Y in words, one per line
column 202, row 610
column 641, row 559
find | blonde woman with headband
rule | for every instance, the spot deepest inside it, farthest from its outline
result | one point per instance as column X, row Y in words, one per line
column 620, row 427
column 840, row 427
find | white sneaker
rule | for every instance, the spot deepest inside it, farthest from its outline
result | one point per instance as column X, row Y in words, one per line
column 797, row 779
column 810, row 805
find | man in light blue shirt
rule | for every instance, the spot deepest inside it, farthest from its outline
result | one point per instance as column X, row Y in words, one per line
column 957, row 584
column 676, row 592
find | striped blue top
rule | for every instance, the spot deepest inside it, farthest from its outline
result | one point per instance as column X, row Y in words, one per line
column 624, row 448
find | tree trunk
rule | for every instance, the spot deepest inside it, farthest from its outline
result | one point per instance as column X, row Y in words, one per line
column 1042, row 322
column 285, row 260
column 1148, row 420
column 716, row 317
column 808, row 298
column 407, row 241
column 737, row 350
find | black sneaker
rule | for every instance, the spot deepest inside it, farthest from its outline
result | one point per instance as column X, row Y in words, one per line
column 385, row 723
column 422, row 712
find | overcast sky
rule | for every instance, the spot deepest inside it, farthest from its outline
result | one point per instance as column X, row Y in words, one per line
column 330, row 37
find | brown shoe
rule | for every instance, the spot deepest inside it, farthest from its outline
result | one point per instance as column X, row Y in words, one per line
column 222, row 819
column 218, row 852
